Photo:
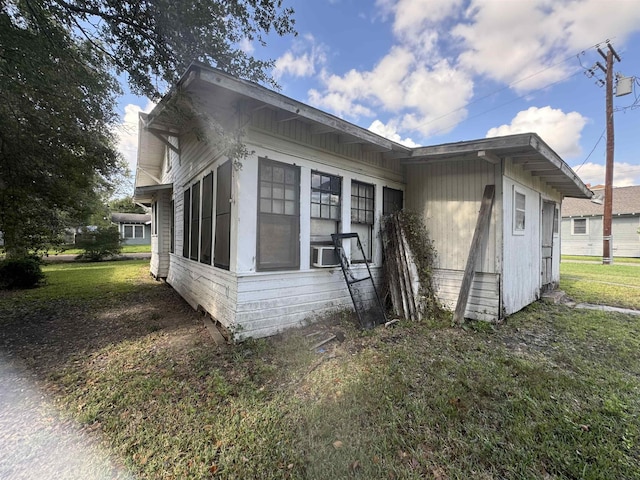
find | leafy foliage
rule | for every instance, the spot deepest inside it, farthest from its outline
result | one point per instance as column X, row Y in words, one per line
column 102, row 243
column 20, row 273
column 154, row 41
column 56, row 145
column 125, row 205
column 58, row 60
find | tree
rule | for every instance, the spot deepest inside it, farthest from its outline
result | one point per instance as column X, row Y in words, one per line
column 155, row 40
column 57, row 148
column 58, row 61
column 125, row 205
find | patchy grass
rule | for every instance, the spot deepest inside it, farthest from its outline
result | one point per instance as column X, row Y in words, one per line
column 616, row 285
column 553, row 393
column 585, row 258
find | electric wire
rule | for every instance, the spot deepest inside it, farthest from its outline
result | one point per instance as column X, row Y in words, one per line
column 592, row 150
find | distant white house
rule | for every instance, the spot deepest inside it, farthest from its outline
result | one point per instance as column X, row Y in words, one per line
column 135, row 228
column 582, row 223
column 242, row 240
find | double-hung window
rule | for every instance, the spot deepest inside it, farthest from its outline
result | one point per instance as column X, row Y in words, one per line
column 362, row 216
column 133, row 231
column 278, row 241
column 326, row 195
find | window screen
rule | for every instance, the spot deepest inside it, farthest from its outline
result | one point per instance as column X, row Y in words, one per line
column 195, row 220
column 186, row 219
column 207, row 213
column 223, row 216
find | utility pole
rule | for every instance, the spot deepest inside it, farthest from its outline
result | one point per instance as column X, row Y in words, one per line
column 607, row 238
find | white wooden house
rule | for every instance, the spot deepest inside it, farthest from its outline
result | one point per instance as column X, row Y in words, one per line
column 581, row 227
column 244, row 239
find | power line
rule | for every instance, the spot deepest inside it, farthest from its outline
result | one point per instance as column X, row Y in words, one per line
column 515, row 82
column 592, row 150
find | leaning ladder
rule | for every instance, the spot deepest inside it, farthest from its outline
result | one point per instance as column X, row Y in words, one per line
column 369, row 310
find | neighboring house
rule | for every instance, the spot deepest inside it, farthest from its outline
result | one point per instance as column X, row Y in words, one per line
column 582, row 224
column 135, row 228
column 242, row 239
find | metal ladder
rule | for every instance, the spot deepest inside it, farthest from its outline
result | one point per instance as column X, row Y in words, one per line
column 370, row 311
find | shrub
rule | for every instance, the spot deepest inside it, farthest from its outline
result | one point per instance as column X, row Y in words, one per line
column 99, row 244
column 20, row 273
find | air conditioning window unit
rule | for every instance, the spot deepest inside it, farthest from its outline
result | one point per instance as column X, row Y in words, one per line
column 324, row 257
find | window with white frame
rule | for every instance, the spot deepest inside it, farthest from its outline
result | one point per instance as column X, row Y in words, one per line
column 278, row 239
column 326, row 196
column 132, row 231
column 519, row 212
column 362, row 215
column 579, row 226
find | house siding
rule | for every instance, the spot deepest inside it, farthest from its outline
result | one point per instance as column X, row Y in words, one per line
column 522, row 255
column 624, row 230
column 448, row 196
column 246, row 301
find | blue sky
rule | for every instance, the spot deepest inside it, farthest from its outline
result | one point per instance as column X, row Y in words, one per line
column 425, row 72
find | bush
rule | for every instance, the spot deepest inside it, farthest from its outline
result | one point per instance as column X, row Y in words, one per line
column 20, row 273
column 99, row 244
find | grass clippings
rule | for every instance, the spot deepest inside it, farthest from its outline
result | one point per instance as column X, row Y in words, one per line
column 552, row 393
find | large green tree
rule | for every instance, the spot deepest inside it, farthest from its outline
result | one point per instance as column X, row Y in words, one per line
column 58, row 65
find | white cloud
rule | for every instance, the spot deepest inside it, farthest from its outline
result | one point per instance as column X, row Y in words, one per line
column 560, row 130
column 428, row 99
column 542, row 35
column 624, row 174
column 390, row 131
column 246, row 46
column 128, row 133
column 301, row 60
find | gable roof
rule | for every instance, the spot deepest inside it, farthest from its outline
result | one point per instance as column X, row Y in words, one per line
column 118, row 217
column 626, row 200
column 527, row 149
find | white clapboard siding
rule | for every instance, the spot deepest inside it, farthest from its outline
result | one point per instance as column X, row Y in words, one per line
column 300, row 132
column 204, row 286
column 484, row 296
column 448, row 196
column 271, row 302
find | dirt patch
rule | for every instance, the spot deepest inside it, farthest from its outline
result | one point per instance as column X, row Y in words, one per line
column 57, row 332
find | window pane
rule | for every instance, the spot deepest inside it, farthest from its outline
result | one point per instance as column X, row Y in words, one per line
column 325, row 211
column 278, row 174
column 315, row 210
column 289, row 208
column 265, row 190
column 315, row 180
column 315, row 197
column 335, row 213
column 290, row 192
column 265, row 173
column 290, row 177
column 278, row 206
column 128, row 231
column 278, row 191
column 138, row 231
column 265, row 206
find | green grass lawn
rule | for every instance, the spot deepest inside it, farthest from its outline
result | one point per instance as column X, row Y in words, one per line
column 125, row 249
column 616, row 285
column 552, row 393
column 584, row 258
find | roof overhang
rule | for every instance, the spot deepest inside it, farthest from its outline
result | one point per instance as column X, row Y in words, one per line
column 527, row 150
column 255, row 97
column 146, row 194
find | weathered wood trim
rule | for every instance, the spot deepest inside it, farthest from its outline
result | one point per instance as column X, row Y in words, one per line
column 482, row 227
